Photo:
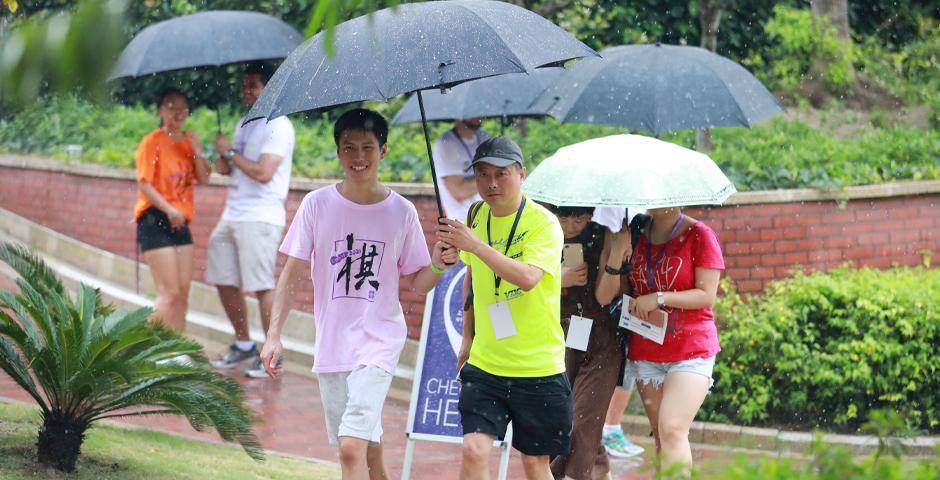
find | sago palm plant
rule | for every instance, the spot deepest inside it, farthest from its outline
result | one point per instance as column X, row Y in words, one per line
column 82, row 361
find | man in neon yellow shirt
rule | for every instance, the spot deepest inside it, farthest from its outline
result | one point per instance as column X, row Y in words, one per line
column 513, row 344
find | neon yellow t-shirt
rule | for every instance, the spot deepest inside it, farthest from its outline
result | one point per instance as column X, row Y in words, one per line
column 538, row 348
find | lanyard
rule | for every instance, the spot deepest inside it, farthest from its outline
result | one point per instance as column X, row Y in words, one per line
column 464, row 144
column 651, row 270
column 512, row 233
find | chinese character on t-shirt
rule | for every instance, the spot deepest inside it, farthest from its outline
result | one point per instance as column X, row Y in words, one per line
column 359, row 262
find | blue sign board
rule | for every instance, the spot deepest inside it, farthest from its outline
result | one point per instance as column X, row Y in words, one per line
column 436, row 391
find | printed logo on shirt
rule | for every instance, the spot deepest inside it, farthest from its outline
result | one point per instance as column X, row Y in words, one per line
column 664, row 276
column 500, row 244
column 357, row 263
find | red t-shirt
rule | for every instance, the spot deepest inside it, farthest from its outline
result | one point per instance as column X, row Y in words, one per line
column 691, row 333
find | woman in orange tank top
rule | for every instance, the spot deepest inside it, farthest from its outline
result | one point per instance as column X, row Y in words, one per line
column 169, row 165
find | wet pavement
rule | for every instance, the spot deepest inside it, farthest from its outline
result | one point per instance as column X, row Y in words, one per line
column 292, row 423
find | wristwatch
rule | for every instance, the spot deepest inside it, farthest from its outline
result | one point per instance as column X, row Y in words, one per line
column 229, row 154
column 660, row 299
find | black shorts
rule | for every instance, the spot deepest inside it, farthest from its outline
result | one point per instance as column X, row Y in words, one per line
column 153, row 231
column 539, row 408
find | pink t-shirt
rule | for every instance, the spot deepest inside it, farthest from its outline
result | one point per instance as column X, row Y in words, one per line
column 357, row 254
column 690, row 333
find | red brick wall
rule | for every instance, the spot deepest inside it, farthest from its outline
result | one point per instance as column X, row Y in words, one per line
column 761, row 242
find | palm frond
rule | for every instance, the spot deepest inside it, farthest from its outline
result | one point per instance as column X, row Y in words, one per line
column 12, row 364
column 30, row 267
column 81, row 360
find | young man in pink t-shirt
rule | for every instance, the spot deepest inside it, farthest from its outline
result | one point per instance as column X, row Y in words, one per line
column 360, row 240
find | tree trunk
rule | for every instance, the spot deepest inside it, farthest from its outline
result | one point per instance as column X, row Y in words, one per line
column 838, row 13
column 703, row 140
column 709, row 17
column 60, row 440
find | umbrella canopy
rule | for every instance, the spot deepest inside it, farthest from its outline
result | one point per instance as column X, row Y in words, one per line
column 411, row 47
column 502, row 96
column 658, row 88
column 206, row 39
column 631, row 171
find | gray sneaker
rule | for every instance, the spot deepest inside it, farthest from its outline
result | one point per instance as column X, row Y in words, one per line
column 235, row 356
column 256, row 370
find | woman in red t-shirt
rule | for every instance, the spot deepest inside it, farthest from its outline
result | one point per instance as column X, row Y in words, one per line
column 676, row 264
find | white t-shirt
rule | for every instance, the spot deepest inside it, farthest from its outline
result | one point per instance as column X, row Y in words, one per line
column 252, row 201
column 452, row 156
column 612, row 217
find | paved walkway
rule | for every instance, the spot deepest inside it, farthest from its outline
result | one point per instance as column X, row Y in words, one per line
column 293, row 424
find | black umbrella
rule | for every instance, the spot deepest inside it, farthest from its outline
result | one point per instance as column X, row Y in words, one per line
column 658, row 88
column 412, row 47
column 504, row 96
column 205, row 39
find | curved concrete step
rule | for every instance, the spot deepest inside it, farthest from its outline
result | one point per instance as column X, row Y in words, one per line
column 78, row 262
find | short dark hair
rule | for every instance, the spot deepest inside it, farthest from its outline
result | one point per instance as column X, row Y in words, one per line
column 261, row 69
column 363, row 120
column 166, row 92
column 570, row 211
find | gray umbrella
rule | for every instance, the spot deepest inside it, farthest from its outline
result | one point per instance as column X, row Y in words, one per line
column 412, row 47
column 507, row 95
column 658, row 88
column 206, row 39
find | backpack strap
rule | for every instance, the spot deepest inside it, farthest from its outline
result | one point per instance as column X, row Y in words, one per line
column 471, row 216
column 472, row 213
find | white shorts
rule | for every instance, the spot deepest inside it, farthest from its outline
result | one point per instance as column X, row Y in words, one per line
column 243, row 254
column 352, row 402
column 655, row 372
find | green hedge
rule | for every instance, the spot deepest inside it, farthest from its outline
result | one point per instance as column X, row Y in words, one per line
column 824, row 350
column 779, row 153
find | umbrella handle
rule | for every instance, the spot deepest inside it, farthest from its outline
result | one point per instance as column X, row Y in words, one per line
column 427, row 142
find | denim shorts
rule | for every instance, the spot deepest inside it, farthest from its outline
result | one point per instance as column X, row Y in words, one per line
column 655, row 372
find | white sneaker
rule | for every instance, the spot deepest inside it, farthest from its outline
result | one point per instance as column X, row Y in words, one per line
column 619, row 446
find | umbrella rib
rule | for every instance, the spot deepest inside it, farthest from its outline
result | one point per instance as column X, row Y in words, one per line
column 737, row 104
column 515, row 59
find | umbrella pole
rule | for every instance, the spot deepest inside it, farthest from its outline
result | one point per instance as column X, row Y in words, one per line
column 427, row 141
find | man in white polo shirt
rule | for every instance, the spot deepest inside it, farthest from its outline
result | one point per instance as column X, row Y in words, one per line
column 453, row 153
column 243, row 246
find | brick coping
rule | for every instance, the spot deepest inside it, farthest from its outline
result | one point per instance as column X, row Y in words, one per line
column 882, row 190
column 782, row 441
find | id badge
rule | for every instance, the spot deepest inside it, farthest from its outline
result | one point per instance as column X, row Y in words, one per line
column 501, row 318
column 579, row 332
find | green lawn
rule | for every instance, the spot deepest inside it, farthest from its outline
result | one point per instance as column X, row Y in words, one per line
column 113, row 452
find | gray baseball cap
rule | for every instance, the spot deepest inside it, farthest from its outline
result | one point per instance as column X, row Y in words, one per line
column 498, row 151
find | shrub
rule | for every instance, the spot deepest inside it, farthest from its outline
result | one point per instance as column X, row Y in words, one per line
column 825, row 349
column 780, row 153
column 82, row 361
column 803, row 44
column 792, row 154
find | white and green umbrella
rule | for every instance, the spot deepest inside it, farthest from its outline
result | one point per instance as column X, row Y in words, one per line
column 629, row 171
